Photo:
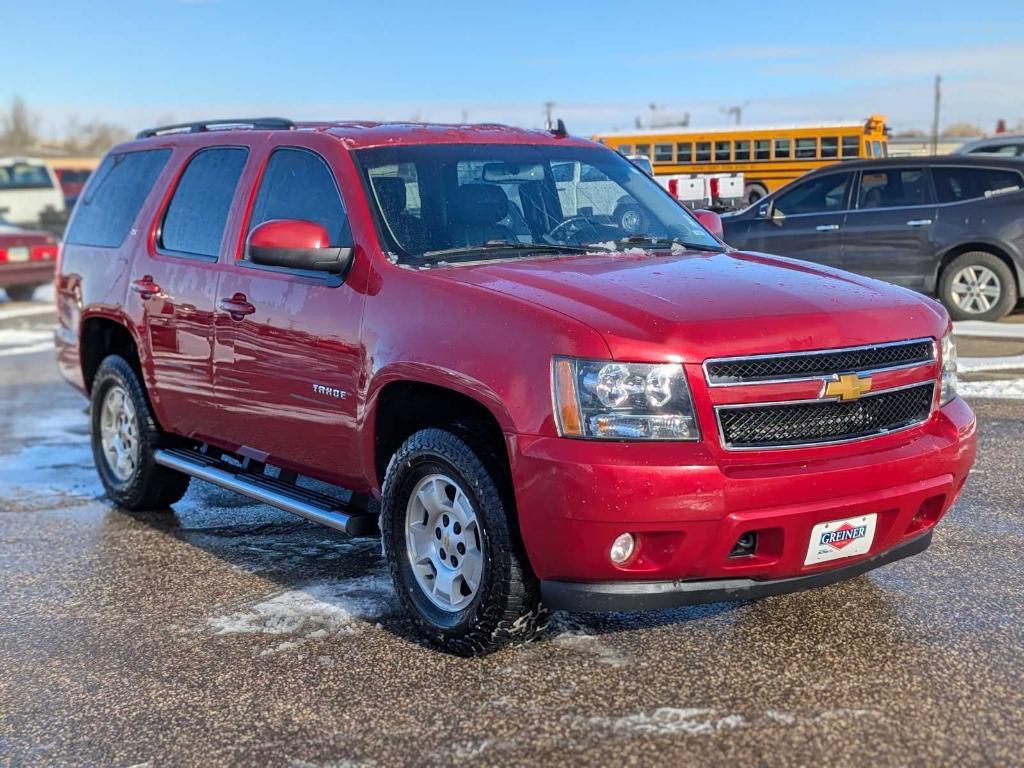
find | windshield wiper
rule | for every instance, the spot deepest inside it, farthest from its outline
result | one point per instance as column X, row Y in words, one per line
column 507, row 245
column 669, row 241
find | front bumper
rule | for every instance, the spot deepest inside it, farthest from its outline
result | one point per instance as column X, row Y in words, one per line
column 688, row 504
column 626, row 596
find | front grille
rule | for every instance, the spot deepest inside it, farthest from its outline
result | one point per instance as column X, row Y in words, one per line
column 744, row 370
column 816, row 421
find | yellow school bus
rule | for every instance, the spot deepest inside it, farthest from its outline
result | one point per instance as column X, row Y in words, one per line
column 768, row 157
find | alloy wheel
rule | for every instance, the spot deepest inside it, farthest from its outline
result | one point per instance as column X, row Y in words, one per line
column 119, row 433
column 444, row 542
column 976, row 289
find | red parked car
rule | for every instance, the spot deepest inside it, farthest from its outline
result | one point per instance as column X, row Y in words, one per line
column 27, row 258
column 542, row 410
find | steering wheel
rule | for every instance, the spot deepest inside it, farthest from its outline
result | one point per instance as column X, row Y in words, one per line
column 572, row 227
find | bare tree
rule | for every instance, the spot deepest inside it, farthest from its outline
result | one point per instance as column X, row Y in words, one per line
column 963, row 131
column 19, row 127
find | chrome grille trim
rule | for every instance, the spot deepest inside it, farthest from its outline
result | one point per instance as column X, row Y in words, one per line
column 713, row 381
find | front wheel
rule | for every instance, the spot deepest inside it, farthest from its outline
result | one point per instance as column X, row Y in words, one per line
column 124, row 438
column 977, row 286
column 454, row 556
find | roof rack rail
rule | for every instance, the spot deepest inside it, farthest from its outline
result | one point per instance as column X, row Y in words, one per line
column 249, row 123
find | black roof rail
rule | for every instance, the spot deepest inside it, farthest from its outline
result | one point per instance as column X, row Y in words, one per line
column 249, row 123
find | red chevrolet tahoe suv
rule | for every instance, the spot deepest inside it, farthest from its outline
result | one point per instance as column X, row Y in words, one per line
column 445, row 331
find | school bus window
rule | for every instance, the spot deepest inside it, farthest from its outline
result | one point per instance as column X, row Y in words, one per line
column 830, row 146
column 684, row 153
column 763, row 149
column 741, row 150
column 703, row 151
column 876, row 149
column 851, row 146
column 722, row 152
column 626, row 149
column 643, row 149
column 783, row 150
column 806, row 148
column 663, row 153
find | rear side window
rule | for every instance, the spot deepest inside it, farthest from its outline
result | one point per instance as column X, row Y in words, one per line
column 298, row 184
column 113, row 197
column 195, row 219
column 955, row 184
column 893, row 188
column 24, row 176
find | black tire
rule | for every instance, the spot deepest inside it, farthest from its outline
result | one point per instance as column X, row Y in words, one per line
column 631, row 219
column 506, row 607
column 21, row 292
column 754, row 192
column 148, row 486
column 1007, row 285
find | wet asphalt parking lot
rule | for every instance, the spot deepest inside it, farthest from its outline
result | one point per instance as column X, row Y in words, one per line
column 227, row 633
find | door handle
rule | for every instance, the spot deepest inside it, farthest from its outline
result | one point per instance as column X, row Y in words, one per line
column 145, row 287
column 237, row 306
column 827, row 227
column 919, row 222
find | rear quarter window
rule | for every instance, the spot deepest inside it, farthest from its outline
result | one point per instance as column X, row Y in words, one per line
column 954, row 185
column 113, row 197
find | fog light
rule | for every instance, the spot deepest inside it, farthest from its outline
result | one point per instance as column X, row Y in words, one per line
column 745, row 545
column 622, row 548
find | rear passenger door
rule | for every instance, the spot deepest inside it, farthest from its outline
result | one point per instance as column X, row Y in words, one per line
column 173, row 287
column 287, row 373
column 888, row 231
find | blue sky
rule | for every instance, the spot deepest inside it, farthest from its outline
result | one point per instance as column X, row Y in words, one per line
column 602, row 63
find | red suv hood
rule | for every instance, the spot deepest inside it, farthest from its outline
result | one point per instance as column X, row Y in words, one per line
column 698, row 305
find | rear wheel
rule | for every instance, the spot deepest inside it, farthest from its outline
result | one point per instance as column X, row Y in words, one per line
column 754, row 192
column 124, row 438
column 453, row 554
column 21, row 292
column 977, row 286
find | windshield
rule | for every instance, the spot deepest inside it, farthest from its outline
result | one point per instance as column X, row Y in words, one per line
column 443, row 202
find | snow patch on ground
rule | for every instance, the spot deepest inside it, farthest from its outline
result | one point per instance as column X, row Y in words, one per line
column 24, row 341
column 315, row 611
column 974, row 364
column 1002, row 388
column 673, row 721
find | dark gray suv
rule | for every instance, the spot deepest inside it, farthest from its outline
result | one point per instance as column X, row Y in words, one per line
column 951, row 226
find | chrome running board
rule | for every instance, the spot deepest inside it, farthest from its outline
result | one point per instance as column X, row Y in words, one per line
column 277, row 493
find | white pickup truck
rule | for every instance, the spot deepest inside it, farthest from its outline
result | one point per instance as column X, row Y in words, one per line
column 29, row 191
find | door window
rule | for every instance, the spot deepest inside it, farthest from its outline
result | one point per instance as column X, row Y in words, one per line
column 298, row 184
column 195, row 219
column 825, row 194
column 956, row 184
column 893, row 188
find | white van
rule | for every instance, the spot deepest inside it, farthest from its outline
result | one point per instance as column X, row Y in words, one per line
column 28, row 188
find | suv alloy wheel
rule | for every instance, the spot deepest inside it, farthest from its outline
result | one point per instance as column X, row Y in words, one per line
column 977, row 286
column 456, row 561
column 124, row 437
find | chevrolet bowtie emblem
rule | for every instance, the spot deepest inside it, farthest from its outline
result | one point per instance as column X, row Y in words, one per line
column 848, row 386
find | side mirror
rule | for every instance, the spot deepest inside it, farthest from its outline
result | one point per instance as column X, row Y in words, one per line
column 296, row 244
column 777, row 217
column 711, row 221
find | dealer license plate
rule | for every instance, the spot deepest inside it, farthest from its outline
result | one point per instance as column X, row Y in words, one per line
column 841, row 538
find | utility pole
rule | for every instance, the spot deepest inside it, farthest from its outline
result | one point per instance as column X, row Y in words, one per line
column 736, row 111
column 935, row 116
column 548, row 108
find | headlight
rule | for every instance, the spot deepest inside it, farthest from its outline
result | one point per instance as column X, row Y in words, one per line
column 622, row 401
column 948, row 391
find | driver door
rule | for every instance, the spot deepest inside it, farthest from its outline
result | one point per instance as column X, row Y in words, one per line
column 805, row 221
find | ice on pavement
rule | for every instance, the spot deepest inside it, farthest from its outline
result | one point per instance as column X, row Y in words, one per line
column 316, row 610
